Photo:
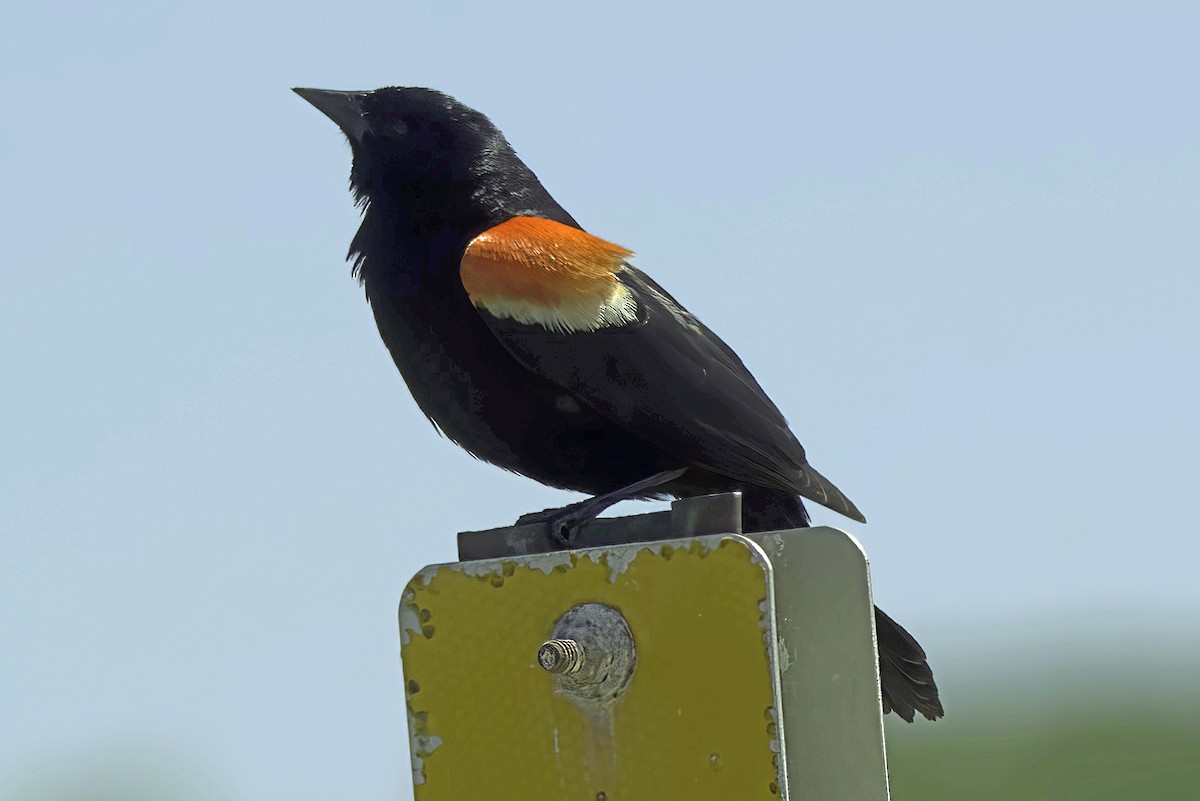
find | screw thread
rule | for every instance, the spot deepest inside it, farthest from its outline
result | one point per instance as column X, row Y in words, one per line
column 560, row 656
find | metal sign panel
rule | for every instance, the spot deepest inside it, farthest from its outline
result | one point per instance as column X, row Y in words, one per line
column 829, row 665
column 700, row 717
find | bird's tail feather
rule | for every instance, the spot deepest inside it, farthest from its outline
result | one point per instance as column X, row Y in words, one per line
column 905, row 677
column 904, row 674
column 816, row 487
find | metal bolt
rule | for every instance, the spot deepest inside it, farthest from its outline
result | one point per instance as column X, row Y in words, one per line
column 591, row 655
column 560, row 656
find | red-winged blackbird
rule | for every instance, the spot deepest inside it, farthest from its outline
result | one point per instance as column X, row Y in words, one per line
column 537, row 347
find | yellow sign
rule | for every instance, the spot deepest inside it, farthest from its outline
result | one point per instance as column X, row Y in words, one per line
column 697, row 720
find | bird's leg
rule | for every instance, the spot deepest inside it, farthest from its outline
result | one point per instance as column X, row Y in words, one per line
column 566, row 521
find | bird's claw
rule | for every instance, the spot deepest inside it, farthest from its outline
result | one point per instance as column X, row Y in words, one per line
column 563, row 524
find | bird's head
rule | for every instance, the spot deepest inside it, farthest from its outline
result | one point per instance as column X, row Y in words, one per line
column 431, row 164
column 408, row 141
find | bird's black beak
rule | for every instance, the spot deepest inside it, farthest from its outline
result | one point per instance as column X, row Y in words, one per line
column 344, row 108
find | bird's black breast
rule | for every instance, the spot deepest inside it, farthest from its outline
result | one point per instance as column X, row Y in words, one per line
column 483, row 399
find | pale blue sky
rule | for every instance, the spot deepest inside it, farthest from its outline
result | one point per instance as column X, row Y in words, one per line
column 957, row 243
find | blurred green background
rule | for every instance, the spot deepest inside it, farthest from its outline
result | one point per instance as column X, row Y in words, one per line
column 1114, row 727
column 1052, row 752
column 1122, row 739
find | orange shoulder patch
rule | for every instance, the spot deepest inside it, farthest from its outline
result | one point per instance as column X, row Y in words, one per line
column 542, row 272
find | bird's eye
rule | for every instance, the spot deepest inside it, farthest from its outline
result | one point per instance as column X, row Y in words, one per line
column 399, row 127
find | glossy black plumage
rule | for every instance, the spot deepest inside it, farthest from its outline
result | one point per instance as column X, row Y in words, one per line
column 588, row 410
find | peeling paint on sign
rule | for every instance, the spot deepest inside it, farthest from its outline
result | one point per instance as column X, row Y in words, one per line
column 470, row 635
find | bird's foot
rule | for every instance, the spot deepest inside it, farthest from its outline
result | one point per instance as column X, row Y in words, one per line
column 565, row 523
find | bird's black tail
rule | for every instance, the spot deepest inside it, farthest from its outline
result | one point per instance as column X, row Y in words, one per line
column 905, row 677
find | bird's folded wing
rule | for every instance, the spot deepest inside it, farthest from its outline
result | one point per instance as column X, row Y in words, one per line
column 569, row 308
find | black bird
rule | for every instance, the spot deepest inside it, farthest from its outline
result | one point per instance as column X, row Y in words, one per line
column 537, row 347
